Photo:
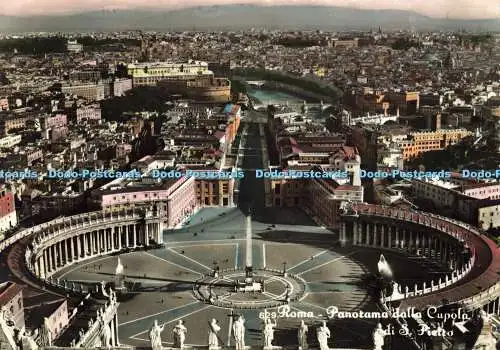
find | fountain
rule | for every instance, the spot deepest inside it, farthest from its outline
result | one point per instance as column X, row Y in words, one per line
column 384, row 269
column 119, row 276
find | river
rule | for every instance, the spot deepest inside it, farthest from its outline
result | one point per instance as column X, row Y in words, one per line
column 264, row 96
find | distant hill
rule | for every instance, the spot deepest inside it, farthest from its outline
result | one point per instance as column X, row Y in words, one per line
column 234, row 17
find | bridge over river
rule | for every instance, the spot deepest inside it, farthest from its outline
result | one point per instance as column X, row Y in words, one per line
column 261, row 98
column 293, row 105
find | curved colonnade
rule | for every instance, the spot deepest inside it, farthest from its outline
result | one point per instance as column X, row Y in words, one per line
column 66, row 241
column 471, row 257
column 456, row 245
column 62, row 242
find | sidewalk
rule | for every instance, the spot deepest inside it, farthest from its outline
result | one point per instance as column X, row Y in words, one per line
column 203, row 215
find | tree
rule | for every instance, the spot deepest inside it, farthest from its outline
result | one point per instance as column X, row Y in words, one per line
column 54, row 44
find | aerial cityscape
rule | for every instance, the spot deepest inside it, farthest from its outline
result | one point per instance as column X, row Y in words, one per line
column 213, row 175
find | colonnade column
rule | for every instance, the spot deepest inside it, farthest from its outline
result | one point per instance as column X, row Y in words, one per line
column 429, row 245
column 110, row 239
column 53, row 258
column 115, row 233
column 49, row 259
column 97, row 242
column 92, row 243
column 410, row 240
column 74, row 256
column 103, row 240
column 37, row 267
column 146, row 233
column 66, row 255
column 380, row 235
column 100, row 241
column 85, row 245
column 79, row 246
column 355, row 233
column 59, row 254
column 81, row 250
column 398, row 244
column 367, row 237
column 71, row 248
column 111, row 236
column 89, row 242
column 120, row 229
column 106, row 240
column 445, row 253
column 439, row 250
column 46, row 260
column 390, row 228
column 159, row 227
column 43, row 269
column 102, row 235
column 453, row 256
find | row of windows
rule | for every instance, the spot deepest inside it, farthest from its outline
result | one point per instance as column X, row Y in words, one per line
column 483, row 214
column 215, row 201
column 491, row 190
column 414, row 148
column 291, row 185
column 211, row 190
column 419, row 142
column 146, row 195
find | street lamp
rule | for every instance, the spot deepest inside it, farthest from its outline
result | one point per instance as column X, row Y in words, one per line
column 284, row 269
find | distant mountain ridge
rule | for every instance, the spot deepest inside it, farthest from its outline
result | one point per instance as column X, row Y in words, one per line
column 236, row 17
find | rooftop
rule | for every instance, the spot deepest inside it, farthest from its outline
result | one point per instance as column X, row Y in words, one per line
column 9, row 290
column 166, row 64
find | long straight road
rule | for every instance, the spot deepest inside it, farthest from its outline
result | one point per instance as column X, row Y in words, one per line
column 252, row 191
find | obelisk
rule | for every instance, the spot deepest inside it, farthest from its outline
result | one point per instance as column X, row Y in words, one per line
column 248, row 265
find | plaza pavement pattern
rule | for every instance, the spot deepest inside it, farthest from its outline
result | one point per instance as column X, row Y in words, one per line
column 164, row 279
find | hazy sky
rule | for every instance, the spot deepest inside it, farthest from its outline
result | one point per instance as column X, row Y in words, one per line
column 434, row 8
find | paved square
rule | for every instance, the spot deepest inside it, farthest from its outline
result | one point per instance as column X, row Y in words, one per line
column 165, row 280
